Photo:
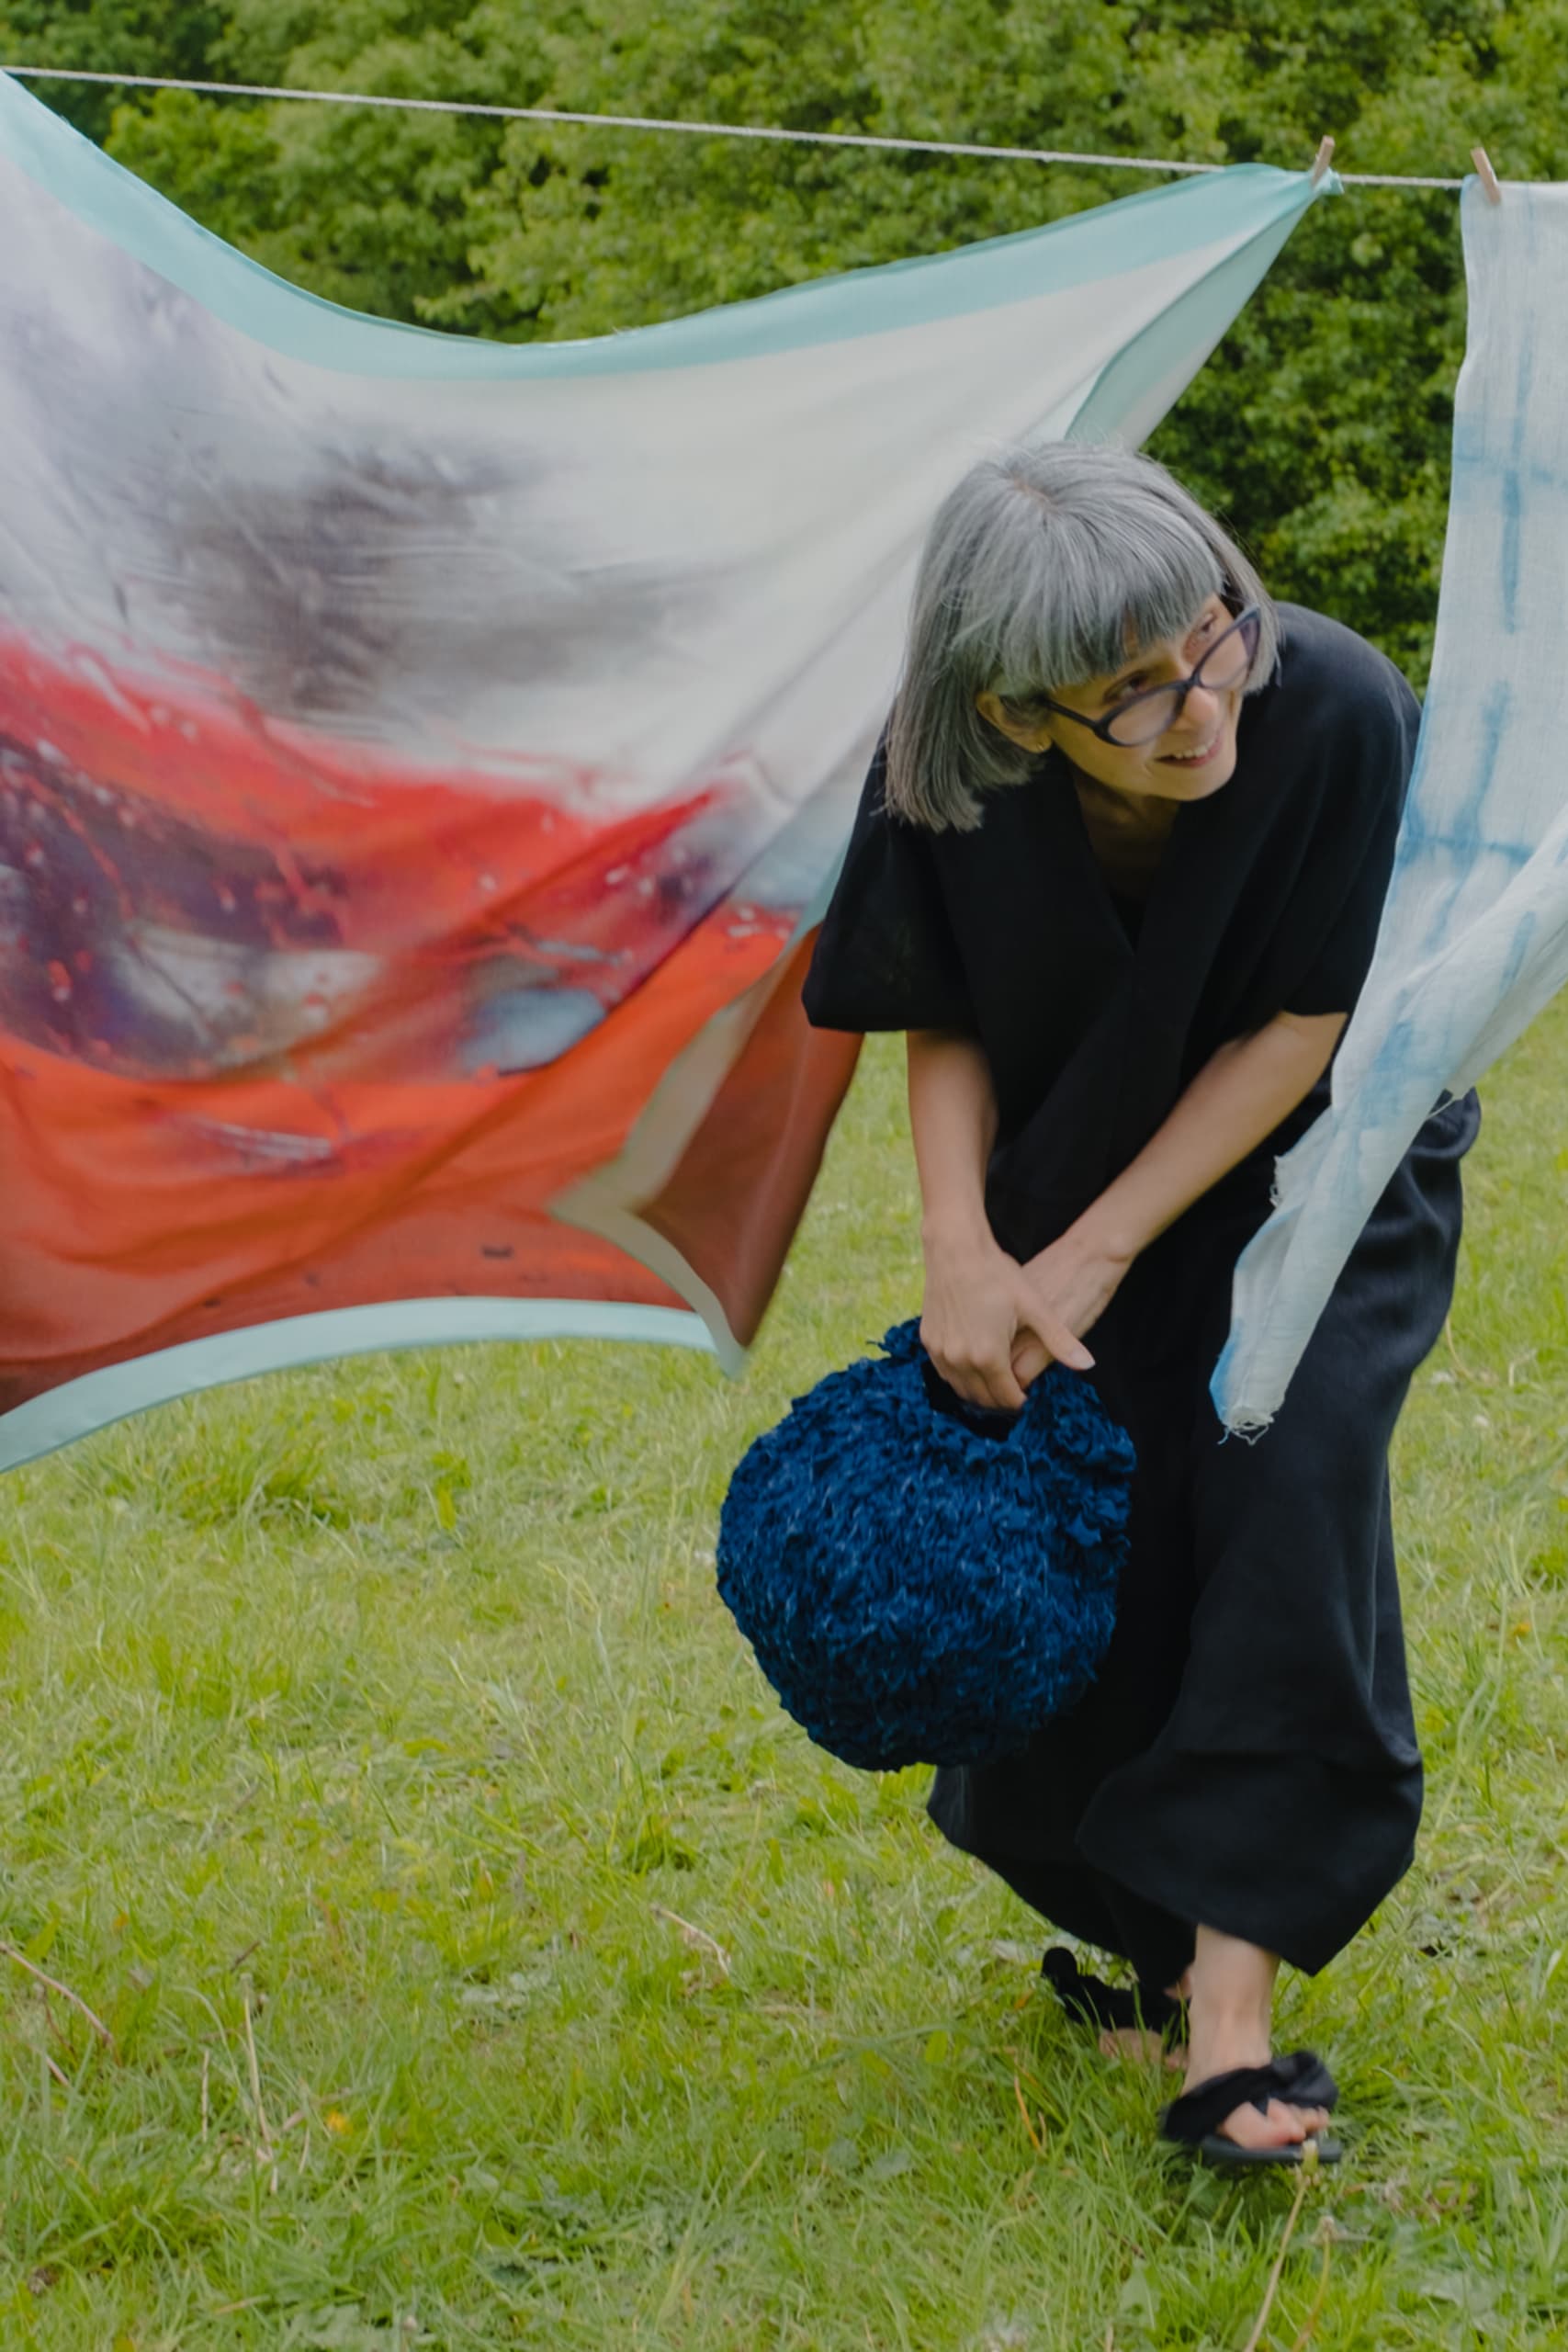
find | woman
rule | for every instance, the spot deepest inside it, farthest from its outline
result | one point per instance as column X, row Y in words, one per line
column 1117, row 872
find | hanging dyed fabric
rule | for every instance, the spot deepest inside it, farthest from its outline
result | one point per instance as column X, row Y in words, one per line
column 1474, row 933
column 422, row 762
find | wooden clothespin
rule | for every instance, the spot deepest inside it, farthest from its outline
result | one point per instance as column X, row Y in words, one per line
column 1324, row 158
column 1483, row 162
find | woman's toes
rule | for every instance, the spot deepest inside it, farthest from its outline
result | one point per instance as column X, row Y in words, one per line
column 1282, row 2127
column 1289, row 2123
column 1311, row 2119
column 1248, row 2128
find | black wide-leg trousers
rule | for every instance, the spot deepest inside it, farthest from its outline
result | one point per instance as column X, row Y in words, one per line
column 1247, row 1759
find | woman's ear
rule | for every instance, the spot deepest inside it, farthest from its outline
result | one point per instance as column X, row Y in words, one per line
column 1029, row 734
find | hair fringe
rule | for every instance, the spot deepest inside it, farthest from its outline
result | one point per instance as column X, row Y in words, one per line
column 1035, row 567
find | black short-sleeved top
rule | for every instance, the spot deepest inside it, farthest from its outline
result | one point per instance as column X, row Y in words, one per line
column 1266, row 900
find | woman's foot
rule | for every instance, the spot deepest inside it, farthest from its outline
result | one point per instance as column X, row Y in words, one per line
column 1230, row 1998
column 1128, row 2024
column 1137, row 2042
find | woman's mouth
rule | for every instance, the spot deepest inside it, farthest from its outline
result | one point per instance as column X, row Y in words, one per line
column 1194, row 759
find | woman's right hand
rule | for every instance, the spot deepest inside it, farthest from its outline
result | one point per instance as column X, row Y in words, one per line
column 976, row 1306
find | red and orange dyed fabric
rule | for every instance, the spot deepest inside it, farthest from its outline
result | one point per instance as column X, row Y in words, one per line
column 422, row 761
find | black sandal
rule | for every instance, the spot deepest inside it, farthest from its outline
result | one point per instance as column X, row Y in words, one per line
column 1146, row 2008
column 1301, row 2079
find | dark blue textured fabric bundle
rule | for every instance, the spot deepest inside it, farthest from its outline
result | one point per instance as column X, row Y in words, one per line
column 917, row 1592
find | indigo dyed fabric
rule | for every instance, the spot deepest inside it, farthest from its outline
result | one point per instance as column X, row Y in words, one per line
column 423, row 761
column 916, row 1592
column 1474, row 935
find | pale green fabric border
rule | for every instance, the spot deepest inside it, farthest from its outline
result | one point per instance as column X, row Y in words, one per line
column 1247, row 201
column 80, row 1407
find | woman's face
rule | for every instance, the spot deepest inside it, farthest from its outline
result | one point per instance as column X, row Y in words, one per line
column 1190, row 760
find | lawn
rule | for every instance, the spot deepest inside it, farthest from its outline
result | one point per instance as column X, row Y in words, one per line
column 475, row 1956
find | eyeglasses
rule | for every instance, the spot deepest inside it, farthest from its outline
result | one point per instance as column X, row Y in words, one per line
column 1143, row 717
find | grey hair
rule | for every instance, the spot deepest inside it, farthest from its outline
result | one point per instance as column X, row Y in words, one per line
column 1046, row 565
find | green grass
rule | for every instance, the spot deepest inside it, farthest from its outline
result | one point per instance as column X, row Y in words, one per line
column 488, row 1962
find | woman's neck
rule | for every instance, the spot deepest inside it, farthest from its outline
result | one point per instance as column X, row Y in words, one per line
column 1127, row 834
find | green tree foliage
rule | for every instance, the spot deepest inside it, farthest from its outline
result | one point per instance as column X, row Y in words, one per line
column 175, row 36
column 1321, row 426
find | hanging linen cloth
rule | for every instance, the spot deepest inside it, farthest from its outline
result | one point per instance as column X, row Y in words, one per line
column 1474, row 933
column 423, row 761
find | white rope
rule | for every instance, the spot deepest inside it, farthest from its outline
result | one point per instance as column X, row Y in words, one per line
column 661, row 122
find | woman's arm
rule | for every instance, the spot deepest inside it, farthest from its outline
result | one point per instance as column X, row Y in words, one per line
column 989, row 1325
column 1236, row 1099
column 976, row 1302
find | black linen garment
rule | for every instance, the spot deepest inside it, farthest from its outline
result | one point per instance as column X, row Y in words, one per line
column 1247, row 1759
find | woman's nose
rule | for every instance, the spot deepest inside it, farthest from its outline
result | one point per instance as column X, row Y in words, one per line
column 1200, row 711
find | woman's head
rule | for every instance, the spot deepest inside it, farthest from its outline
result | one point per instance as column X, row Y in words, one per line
column 1067, row 575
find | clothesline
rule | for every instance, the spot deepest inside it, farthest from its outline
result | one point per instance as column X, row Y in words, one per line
column 697, row 129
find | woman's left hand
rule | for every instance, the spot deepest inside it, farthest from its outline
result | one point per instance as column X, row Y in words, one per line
column 1073, row 1281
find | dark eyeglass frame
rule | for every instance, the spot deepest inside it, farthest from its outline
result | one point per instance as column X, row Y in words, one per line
column 1248, row 624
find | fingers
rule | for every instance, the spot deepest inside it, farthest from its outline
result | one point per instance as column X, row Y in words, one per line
column 1043, row 1341
column 988, row 1383
column 995, row 1387
column 1066, row 1348
column 1000, row 1386
column 1063, row 1291
column 985, row 1361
